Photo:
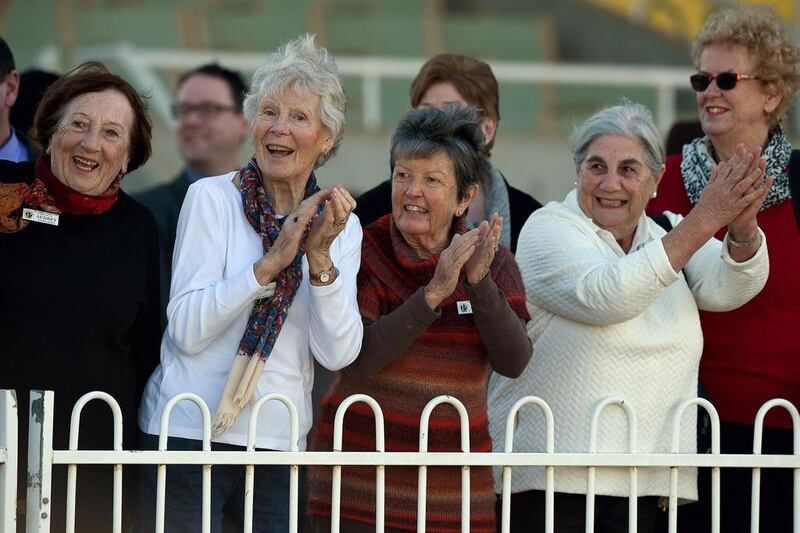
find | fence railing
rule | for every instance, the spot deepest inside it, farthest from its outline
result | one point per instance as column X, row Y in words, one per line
column 142, row 64
column 8, row 461
column 42, row 457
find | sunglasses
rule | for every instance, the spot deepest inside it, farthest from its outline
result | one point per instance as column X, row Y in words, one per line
column 725, row 80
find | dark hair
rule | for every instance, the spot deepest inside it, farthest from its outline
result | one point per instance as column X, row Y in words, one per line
column 471, row 77
column 91, row 77
column 230, row 77
column 33, row 83
column 6, row 59
column 455, row 132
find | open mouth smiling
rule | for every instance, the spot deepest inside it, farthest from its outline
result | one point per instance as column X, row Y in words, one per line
column 279, row 150
column 86, row 165
column 611, row 203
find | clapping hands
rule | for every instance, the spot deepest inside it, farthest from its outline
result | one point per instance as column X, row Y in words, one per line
column 474, row 251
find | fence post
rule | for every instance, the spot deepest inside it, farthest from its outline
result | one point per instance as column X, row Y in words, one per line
column 422, row 476
column 40, row 461
column 633, row 471
column 8, row 472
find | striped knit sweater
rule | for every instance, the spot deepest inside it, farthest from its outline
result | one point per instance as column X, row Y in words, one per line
column 448, row 358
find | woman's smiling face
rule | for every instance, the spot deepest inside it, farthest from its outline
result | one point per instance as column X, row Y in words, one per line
column 614, row 185
column 90, row 146
column 289, row 137
column 738, row 114
column 425, row 200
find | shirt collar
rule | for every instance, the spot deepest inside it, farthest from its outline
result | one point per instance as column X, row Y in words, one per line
column 14, row 149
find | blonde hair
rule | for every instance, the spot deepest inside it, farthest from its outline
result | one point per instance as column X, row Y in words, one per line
column 758, row 30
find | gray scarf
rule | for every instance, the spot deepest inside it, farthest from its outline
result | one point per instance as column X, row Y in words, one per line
column 697, row 162
column 496, row 197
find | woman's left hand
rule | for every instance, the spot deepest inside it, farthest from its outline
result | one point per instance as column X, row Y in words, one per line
column 488, row 241
column 327, row 225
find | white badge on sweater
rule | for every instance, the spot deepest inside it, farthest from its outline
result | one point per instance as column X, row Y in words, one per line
column 44, row 217
column 464, row 307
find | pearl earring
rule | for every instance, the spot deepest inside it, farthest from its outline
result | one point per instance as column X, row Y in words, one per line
column 654, row 194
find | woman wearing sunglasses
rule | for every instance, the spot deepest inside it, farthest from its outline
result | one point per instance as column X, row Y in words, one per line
column 746, row 80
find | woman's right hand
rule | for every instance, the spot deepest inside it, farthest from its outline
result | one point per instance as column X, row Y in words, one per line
column 448, row 269
column 733, row 186
column 284, row 249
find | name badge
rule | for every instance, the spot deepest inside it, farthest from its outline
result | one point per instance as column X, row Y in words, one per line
column 464, row 307
column 43, row 217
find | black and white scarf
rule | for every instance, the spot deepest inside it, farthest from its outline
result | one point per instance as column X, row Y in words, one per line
column 697, row 163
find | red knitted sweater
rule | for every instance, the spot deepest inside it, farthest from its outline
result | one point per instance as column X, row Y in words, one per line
column 750, row 354
column 449, row 358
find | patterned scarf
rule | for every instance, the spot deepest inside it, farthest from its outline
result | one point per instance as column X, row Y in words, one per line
column 697, row 162
column 268, row 314
column 47, row 193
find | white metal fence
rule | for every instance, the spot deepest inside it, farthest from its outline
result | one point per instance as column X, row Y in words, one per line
column 8, row 461
column 142, row 64
column 42, row 457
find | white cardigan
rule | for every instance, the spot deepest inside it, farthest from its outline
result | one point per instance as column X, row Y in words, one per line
column 605, row 323
column 212, row 295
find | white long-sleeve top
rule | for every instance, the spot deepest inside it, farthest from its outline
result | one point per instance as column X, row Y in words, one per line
column 212, row 295
column 610, row 324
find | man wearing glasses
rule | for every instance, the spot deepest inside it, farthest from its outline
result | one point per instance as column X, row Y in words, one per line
column 210, row 130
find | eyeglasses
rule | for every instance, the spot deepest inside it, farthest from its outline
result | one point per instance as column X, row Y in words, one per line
column 206, row 111
column 725, row 80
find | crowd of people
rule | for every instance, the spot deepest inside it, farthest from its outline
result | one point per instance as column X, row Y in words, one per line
column 659, row 273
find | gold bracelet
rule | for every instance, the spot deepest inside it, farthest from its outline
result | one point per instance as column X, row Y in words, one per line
column 740, row 244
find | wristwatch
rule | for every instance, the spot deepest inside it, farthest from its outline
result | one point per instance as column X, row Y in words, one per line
column 326, row 276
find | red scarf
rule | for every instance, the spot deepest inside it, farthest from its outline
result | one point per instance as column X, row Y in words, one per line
column 48, row 193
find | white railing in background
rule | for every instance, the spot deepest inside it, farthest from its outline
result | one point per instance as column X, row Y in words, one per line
column 43, row 457
column 8, row 461
column 142, row 63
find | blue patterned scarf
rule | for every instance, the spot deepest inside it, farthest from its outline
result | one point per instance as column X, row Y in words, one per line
column 268, row 314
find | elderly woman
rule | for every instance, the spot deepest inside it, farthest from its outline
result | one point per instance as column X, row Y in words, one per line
column 614, row 300
column 747, row 77
column 456, row 79
column 441, row 306
column 79, row 297
column 264, row 280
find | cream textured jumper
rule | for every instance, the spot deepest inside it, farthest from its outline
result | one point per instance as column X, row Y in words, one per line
column 605, row 323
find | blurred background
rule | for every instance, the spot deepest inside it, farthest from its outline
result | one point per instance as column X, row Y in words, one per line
column 557, row 61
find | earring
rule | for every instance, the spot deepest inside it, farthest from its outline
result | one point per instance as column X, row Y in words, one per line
column 458, row 213
column 575, row 183
column 654, row 194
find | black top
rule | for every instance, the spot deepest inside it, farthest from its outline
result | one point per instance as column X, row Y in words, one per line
column 377, row 202
column 79, row 312
column 165, row 203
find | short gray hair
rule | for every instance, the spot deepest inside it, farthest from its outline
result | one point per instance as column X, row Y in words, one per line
column 455, row 132
column 302, row 65
column 627, row 119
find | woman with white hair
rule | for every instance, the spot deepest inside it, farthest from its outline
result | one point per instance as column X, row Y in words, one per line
column 264, row 279
column 614, row 301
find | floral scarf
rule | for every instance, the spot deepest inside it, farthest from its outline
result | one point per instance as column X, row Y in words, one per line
column 698, row 160
column 47, row 193
column 268, row 314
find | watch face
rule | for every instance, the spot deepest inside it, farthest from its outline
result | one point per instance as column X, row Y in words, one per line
column 325, row 276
